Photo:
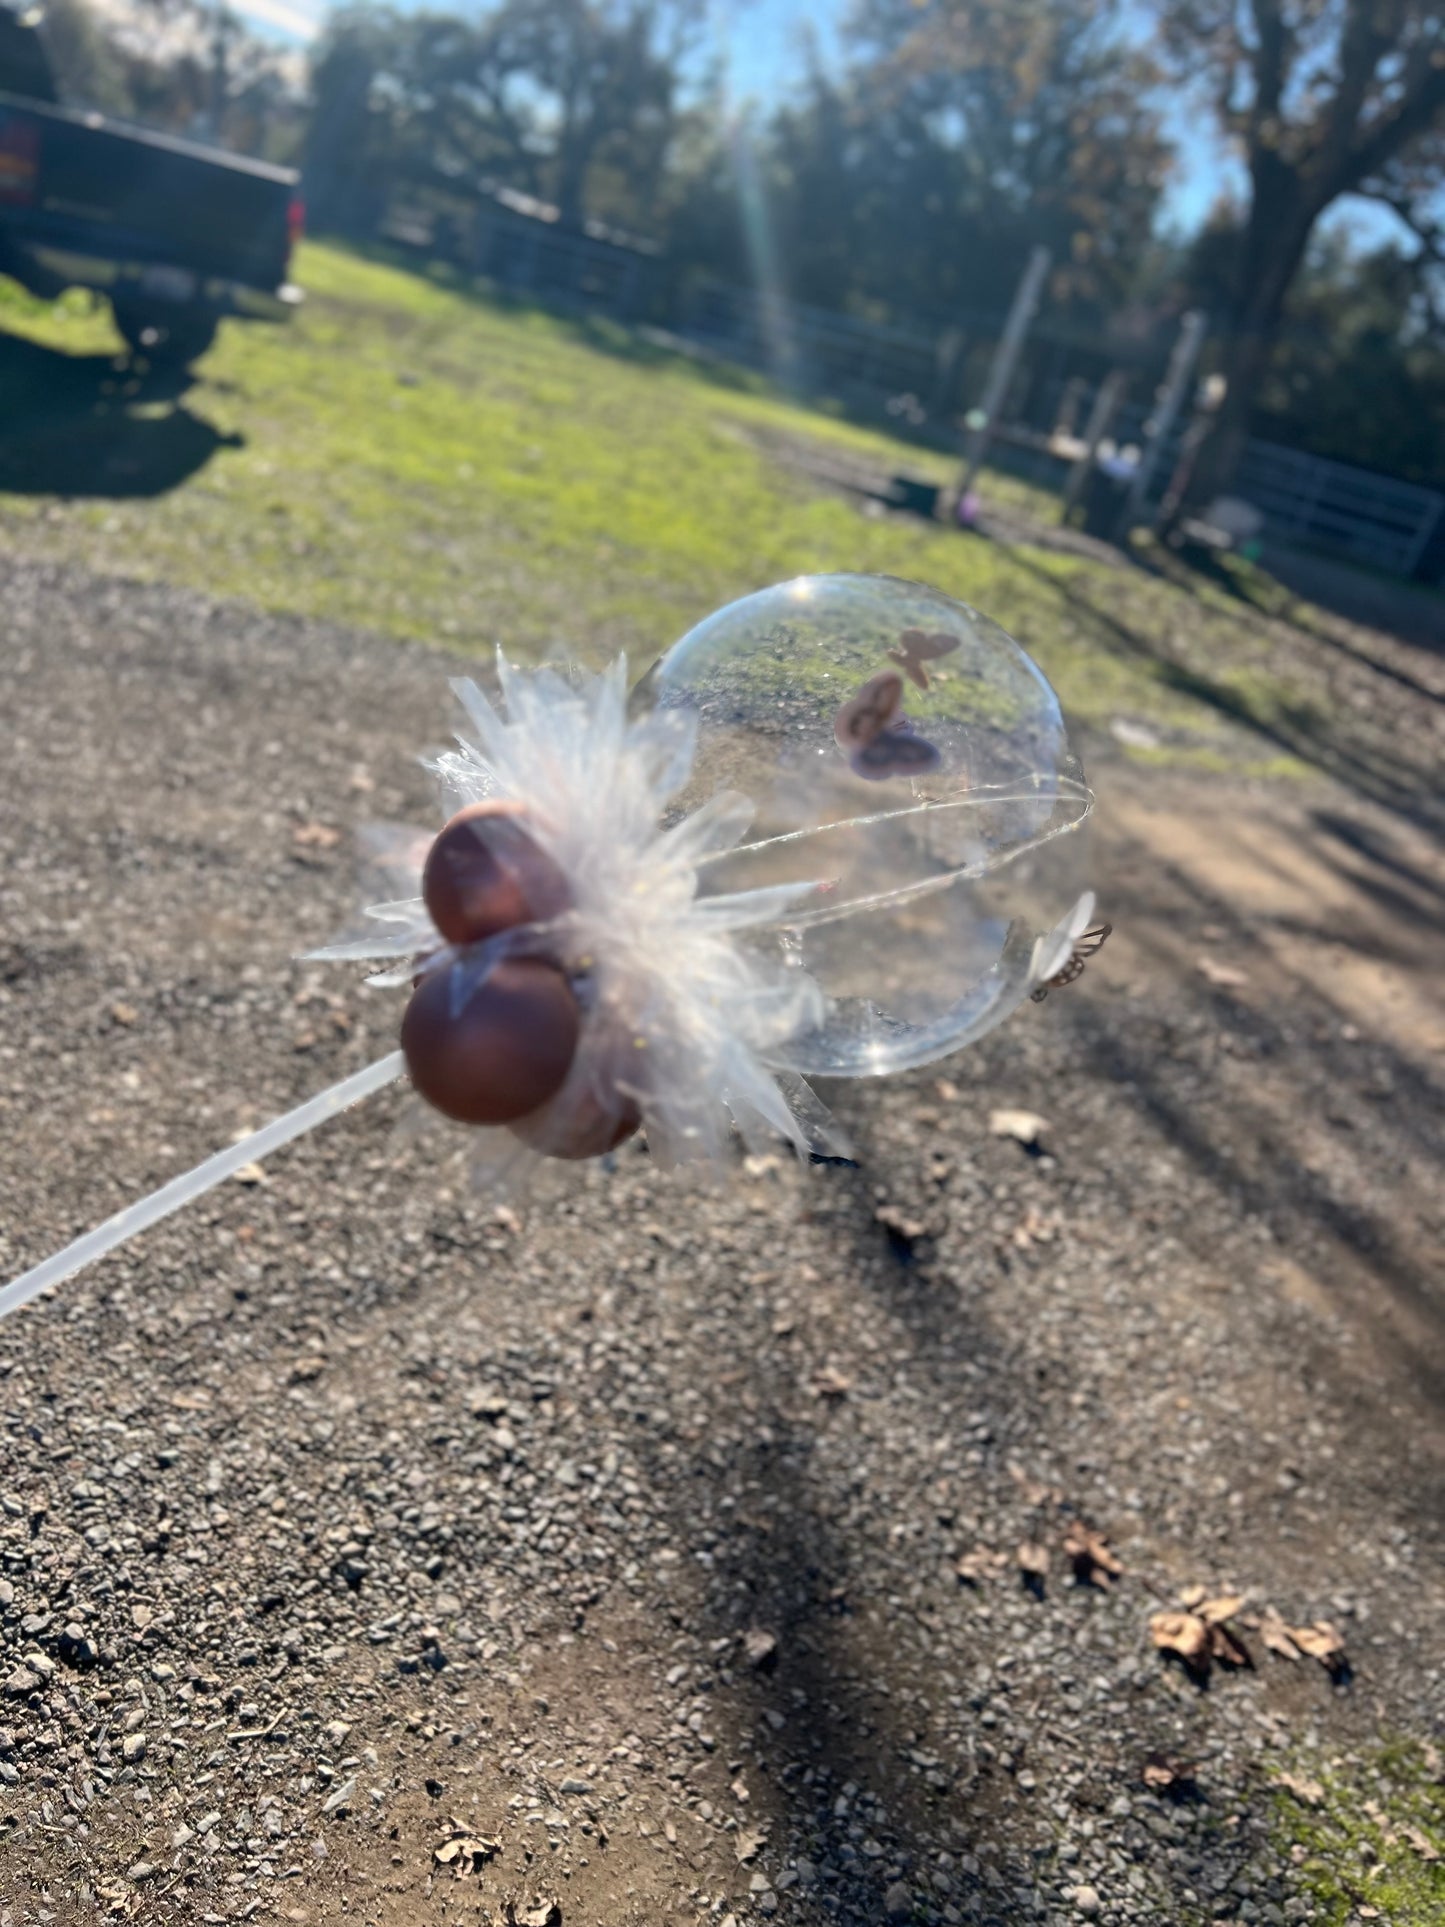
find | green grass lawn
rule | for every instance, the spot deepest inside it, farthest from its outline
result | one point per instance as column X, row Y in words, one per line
column 413, row 458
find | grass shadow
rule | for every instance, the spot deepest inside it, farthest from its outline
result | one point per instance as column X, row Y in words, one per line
column 644, row 343
column 1266, row 589
column 96, row 426
column 1331, row 734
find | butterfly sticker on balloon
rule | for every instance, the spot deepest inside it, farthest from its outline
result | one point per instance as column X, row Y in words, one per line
column 916, row 648
column 871, row 729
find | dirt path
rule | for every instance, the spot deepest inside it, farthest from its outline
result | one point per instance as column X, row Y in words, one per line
column 655, row 1556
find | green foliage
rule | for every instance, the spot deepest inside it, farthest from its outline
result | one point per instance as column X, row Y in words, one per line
column 172, row 67
column 912, row 178
column 416, row 461
column 1320, row 102
column 1357, row 372
column 576, row 101
column 1367, row 1833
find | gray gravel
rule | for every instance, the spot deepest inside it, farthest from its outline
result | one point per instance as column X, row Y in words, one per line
column 368, row 1550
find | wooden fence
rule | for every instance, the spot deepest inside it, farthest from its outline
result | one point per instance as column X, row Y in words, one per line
column 1307, row 501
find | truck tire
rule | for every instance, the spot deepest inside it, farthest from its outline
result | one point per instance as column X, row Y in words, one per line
column 170, row 343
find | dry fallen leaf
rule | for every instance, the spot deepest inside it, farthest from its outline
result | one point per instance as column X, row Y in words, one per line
column 1309, row 1793
column 465, row 1852
column 760, row 1646
column 976, row 1566
column 1183, row 1635
column 1421, row 1842
column 315, row 836
column 1095, row 1563
column 1320, row 1641
column 1033, row 1229
column 748, row 1846
column 125, row 1013
column 1199, row 1633
column 250, row 1174
column 1225, row 976
column 831, row 1383
column 1033, row 1561
column 1276, row 1635
column 1031, row 1491
column 1163, row 1773
column 1214, row 1612
column 893, row 1218
column 1227, row 1647
column 543, row 1913
column 1025, row 1127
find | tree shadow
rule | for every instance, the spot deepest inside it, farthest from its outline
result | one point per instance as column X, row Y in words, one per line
column 97, row 426
column 1412, row 612
column 1335, row 735
column 876, row 1703
column 649, row 343
column 1274, row 589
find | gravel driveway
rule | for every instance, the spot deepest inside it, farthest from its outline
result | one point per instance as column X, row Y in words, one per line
column 651, row 1555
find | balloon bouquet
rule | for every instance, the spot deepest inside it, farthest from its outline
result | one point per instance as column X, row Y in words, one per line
column 835, row 831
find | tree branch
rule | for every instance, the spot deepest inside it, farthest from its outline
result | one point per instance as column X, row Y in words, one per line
column 1431, row 237
column 1271, row 61
column 1364, row 40
column 1420, row 106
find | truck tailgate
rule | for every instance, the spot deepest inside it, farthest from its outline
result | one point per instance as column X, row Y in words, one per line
column 144, row 196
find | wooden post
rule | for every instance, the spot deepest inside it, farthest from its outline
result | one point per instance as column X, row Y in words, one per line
column 1106, row 405
column 1005, row 360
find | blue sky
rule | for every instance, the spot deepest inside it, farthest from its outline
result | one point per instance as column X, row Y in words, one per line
column 763, row 38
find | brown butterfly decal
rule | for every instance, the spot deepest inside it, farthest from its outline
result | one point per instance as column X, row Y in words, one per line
column 915, row 647
column 874, row 708
column 897, row 752
column 878, row 740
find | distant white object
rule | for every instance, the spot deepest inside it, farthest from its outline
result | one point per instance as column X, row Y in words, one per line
column 1131, row 734
column 1241, row 521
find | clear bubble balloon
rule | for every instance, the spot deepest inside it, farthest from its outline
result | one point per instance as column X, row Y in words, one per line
column 909, row 761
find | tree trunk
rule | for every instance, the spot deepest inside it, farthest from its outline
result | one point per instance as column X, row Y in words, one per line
column 1274, row 242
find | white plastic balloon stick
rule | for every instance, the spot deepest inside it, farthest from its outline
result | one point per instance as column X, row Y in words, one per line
column 593, row 952
column 192, row 1184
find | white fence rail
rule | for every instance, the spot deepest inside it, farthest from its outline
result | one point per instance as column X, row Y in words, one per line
column 1321, row 504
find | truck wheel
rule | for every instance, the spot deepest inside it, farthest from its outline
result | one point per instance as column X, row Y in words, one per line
column 165, row 344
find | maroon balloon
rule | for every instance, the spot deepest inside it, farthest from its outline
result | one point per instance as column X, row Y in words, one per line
column 579, row 1127
column 486, row 873
column 505, row 1054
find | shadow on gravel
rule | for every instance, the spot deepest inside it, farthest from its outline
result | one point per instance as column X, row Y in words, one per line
column 1287, row 605
column 1332, row 733
column 94, row 425
column 1243, row 1095
column 1412, row 611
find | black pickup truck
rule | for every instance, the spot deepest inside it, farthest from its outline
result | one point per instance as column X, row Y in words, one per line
column 176, row 235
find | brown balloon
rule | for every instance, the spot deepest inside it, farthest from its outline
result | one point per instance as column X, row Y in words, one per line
column 505, row 1054
column 486, row 873
column 580, row 1126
